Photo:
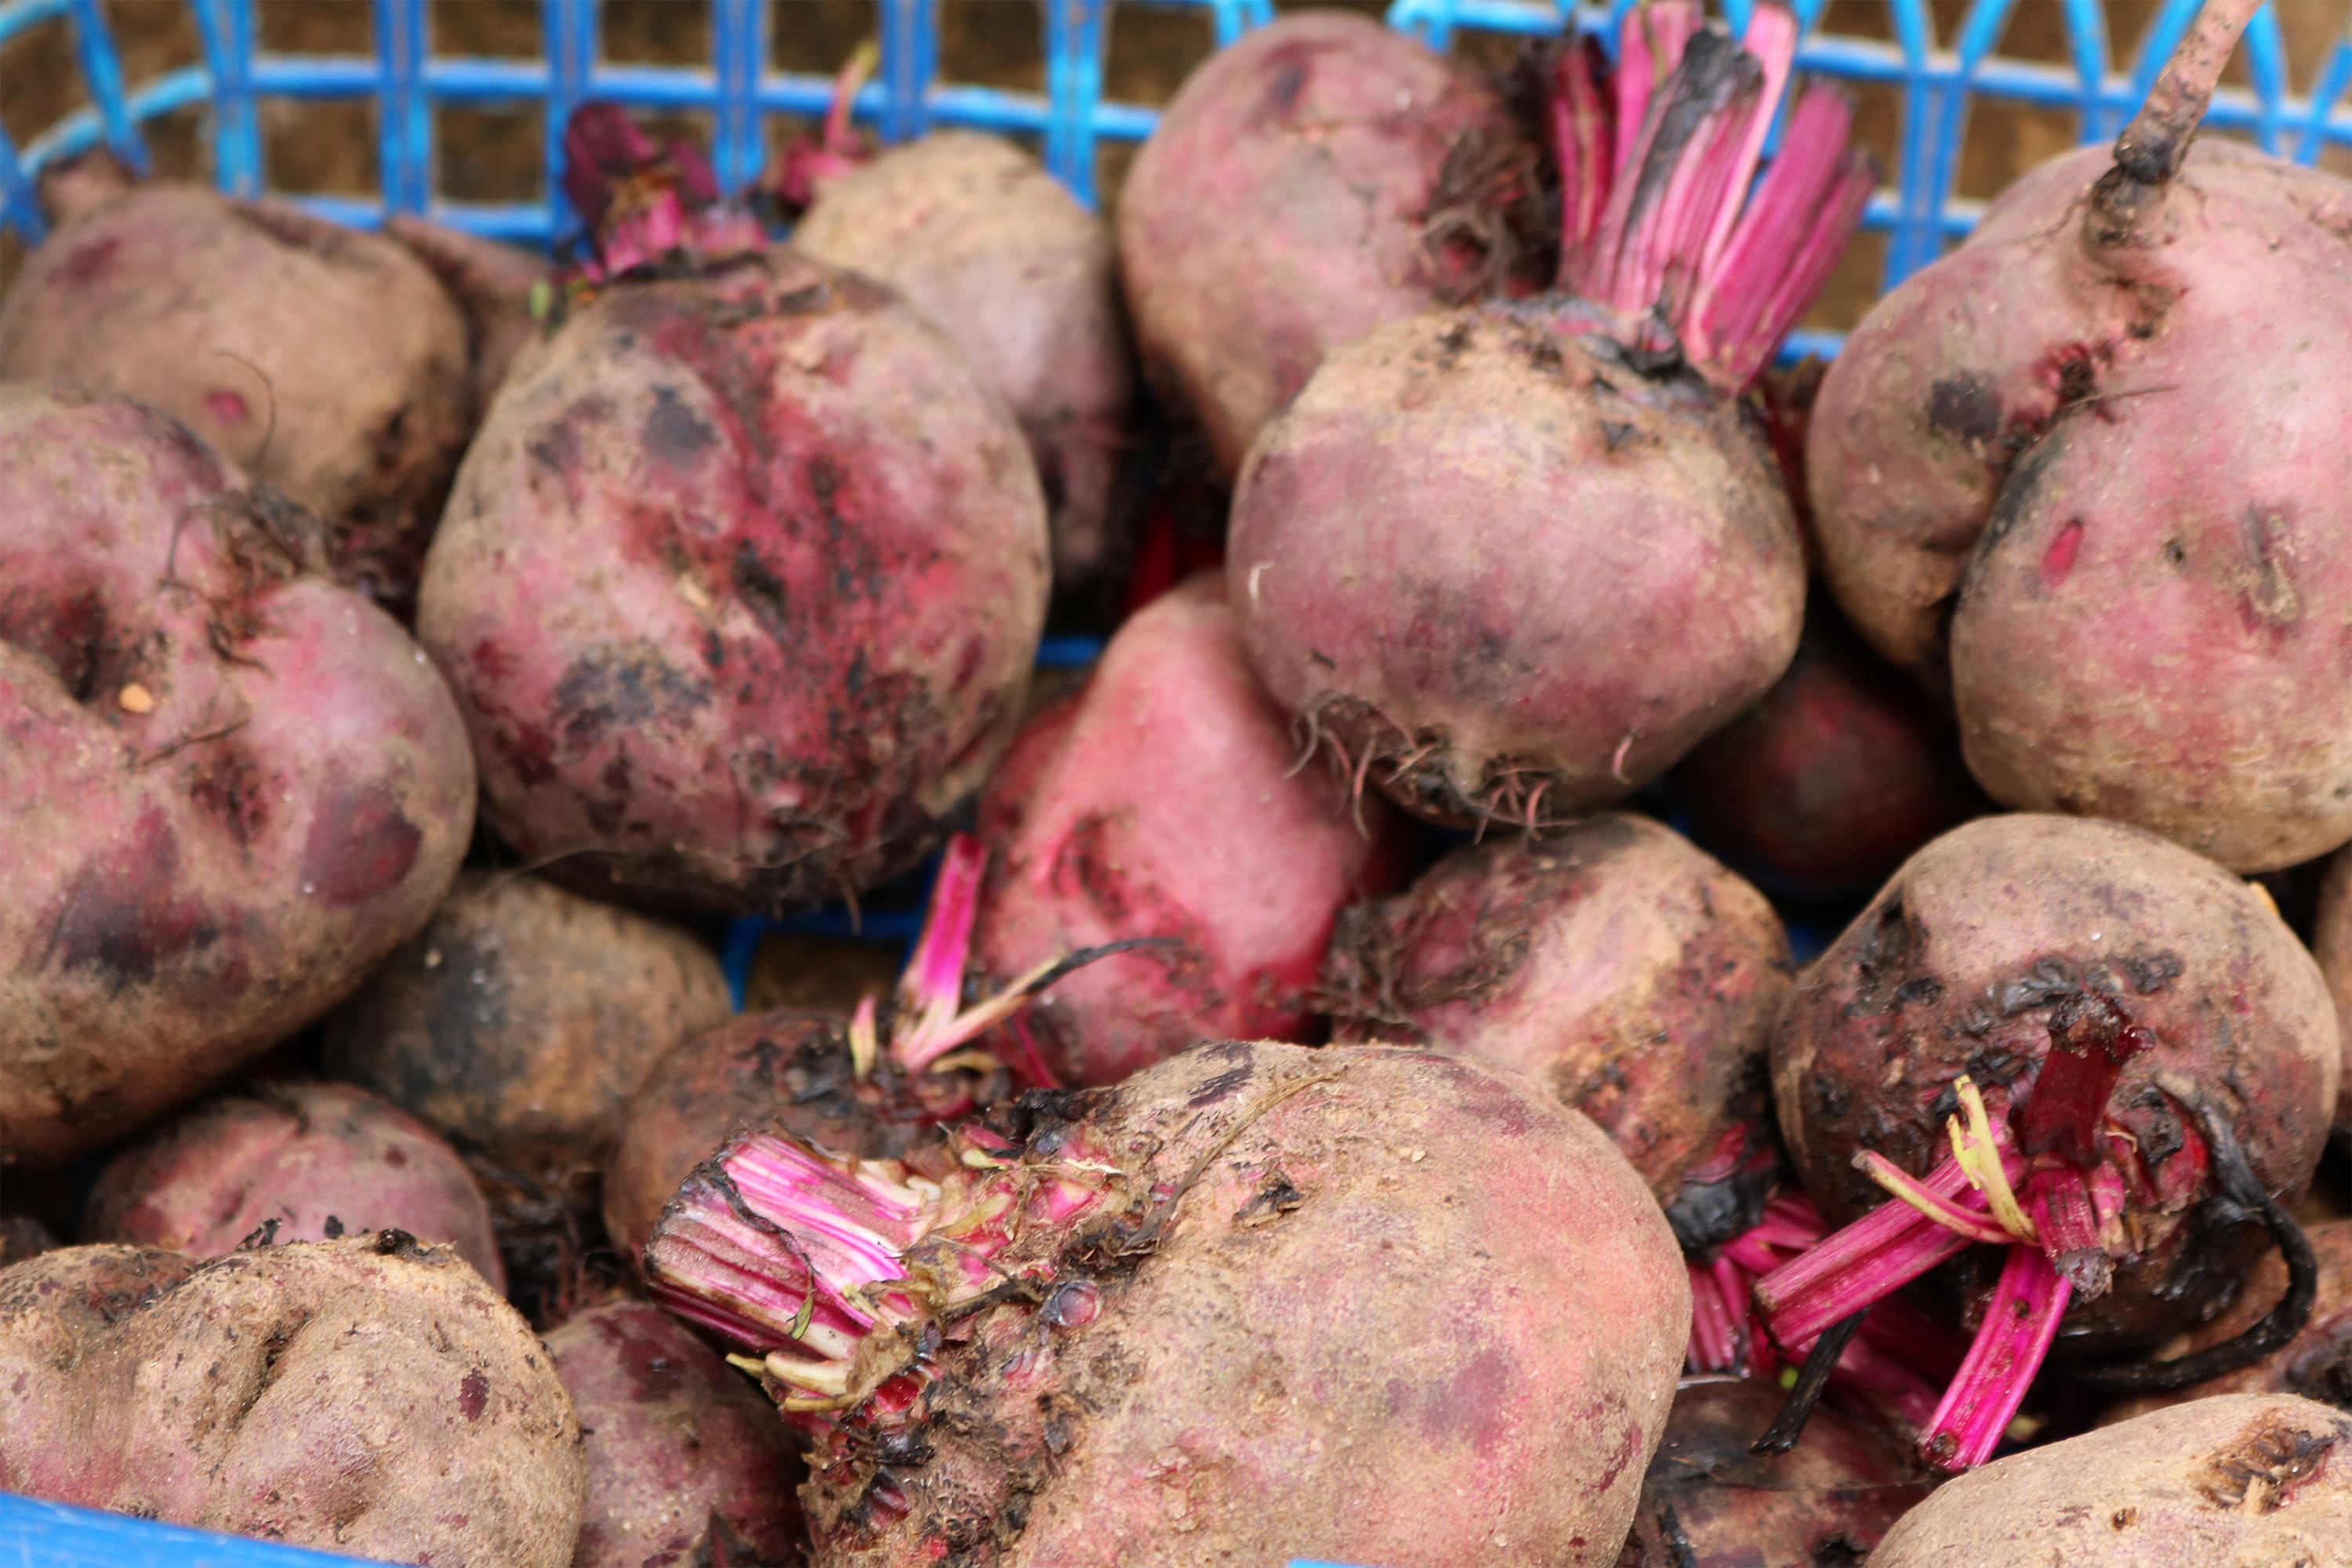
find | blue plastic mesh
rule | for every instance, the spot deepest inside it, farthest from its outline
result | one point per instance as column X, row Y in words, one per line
column 1937, row 80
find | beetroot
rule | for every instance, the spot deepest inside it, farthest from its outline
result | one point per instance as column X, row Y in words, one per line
column 1163, row 1323
column 2075, row 1041
column 1625, row 971
column 328, row 362
column 2248, row 1480
column 688, row 1466
column 1708, row 1503
column 521, row 1025
column 2331, row 944
column 492, row 283
column 1165, row 801
column 982, row 241
column 301, row 1161
column 2092, row 440
column 1444, row 547
column 228, row 787
column 1321, row 176
column 1822, row 789
column 742, row 579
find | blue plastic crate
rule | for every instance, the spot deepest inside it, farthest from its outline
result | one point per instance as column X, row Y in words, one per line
column 1937, row 80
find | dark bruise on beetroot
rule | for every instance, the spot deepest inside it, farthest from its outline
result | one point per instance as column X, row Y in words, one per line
column 1168, row 1323
column 1708, row 1502
column 1319, row 177
column 302, row 1162
column 228, row 787
column 328, row 362
column 1165, row 800
column 1822, row 788
column 1628, row 973
column 739, row 587
column 1512, row 560
column 687, row 1465
column 2087, row 472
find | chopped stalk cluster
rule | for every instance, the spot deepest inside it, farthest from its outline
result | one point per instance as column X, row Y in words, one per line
column 2059, row 1233
column 1664, row 223
column 643, row 205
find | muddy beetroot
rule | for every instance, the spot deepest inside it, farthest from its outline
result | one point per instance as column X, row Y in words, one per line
column 1820, row 790
column 1708, row 1503
column 2089, row 442
column 1621, row 968
column 741, row 581
column 687, row 1465
column 328, row 362
column 2109, row 1060
column 987, row 244
column 299, row 1161
column 1443, row 547
column 1157, row 1324
column 228, row 787
column 1165, row 801
column 1323, row 175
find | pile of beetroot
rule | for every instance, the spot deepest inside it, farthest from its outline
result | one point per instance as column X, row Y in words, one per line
column 1353, row 1095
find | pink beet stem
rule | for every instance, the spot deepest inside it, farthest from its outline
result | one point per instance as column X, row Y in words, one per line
column 840, row 140
column 2020, row 1323
column 1581, row 136
column 1743, row 357
column 1701, row 186
column 1712, row 1340
column 2160, row 133
column 1924, row 1344
column 602, row 146
column 1868, row 1369
column 1953, row 1216
column 1875, row 1255
column 931, row 989
column 2070, row 1093
column 1771, row 38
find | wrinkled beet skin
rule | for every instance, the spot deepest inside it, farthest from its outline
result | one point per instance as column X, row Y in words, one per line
column 1615, row 963
column 1254, row 1388
column 2317, row 1364
column 789, row 1068
column 322, row 1158
column 1167, row 803
column 1707, row 1503
column 982, row 241
column 2331, row 944
column 1954, row 968
column 1820, row 790
column 328, row 361
column 366, row 1397
column 1442, row 548
column 2125, row 489
column 2246, row 1481
column 739, row 588
column 687, row 1465
column 1277, row 211
column 190, row 885
column 521, row 1024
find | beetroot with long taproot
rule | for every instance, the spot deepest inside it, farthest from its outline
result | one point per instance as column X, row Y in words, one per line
column 328, row 362
column 687, row 1465
column 1445, row 546
column 521, row 1025
column 1822, row 788
column 1707, row 1503
column 1165, row 801
column 1320, row 177
column 980, row 238
column 2093, row 448
column 228, row 786
column 2074, row 1041
column 294, row 1162
column 1160, row 1323
column 743, row 578
column 1628, row 973
column 366, row 1397
column 2247, row 1480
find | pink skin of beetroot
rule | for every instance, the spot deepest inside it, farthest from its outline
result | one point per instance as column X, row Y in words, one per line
column 2073, row 1195
column 1659, row 226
